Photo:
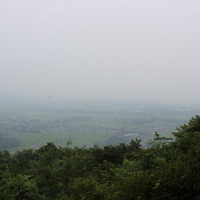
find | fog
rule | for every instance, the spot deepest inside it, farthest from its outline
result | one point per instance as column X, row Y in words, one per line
column 134, row 50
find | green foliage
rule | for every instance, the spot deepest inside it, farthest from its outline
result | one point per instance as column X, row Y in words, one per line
column 192, row 126
column 169, row 169
column 187, row 135
column 87, row 189
column 19, row 187
column 115, row 154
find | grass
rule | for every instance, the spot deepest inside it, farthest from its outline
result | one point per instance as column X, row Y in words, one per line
column 29, row 140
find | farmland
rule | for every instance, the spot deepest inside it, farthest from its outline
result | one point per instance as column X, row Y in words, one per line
column 87, row 125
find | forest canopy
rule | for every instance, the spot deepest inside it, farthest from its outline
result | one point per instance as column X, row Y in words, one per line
column 168, row 169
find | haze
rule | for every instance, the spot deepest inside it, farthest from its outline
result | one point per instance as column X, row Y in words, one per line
column 136, row 50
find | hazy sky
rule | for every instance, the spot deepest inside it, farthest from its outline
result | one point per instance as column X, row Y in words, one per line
column 101, row 49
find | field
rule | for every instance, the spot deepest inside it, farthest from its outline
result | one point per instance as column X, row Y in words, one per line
column 31, row 126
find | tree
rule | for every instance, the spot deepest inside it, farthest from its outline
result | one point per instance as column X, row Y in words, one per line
column 19, row 188
column 187, row 135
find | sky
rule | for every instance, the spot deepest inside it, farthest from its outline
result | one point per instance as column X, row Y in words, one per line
column 135, row 50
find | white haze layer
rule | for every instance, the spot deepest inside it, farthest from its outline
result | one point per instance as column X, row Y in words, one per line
column 136, row 50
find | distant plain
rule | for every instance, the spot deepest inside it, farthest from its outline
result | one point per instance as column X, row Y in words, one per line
column 87, row 124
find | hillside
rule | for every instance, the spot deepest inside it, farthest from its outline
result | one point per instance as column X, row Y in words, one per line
column 169, row 169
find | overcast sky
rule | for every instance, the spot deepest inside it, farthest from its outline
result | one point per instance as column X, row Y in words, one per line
column 145, row 50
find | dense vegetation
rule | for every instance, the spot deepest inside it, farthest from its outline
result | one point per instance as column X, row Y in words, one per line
column 169, row 169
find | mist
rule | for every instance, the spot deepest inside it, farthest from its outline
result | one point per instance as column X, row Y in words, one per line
column 101, row 50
